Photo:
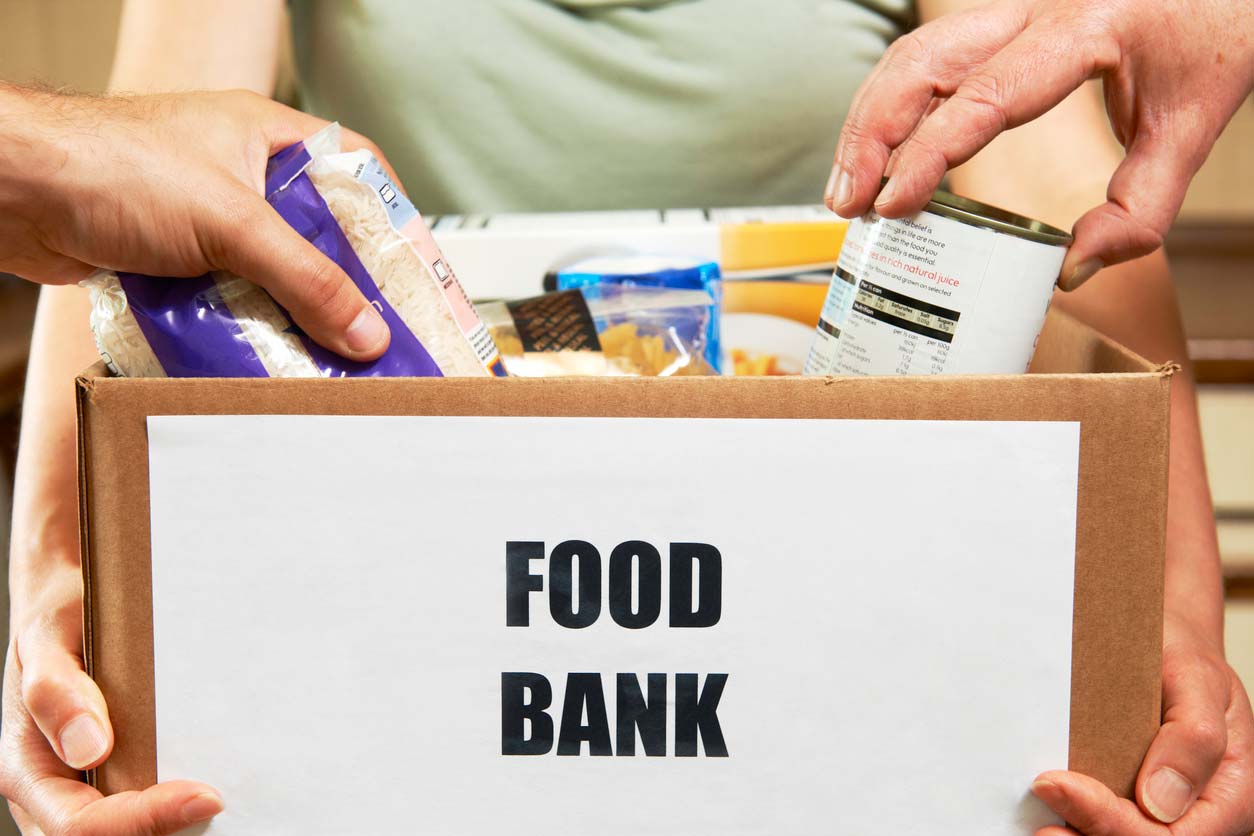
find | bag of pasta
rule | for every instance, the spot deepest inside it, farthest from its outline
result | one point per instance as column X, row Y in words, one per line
column 607, row 330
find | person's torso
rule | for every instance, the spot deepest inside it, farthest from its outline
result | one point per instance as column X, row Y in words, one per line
column 541, row 105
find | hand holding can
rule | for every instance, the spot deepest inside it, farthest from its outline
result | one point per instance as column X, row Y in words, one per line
column 1174, row 72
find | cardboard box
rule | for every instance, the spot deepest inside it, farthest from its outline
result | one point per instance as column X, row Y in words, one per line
column 1120, row 400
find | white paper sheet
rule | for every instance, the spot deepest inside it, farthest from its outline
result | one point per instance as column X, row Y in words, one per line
column 329, row 604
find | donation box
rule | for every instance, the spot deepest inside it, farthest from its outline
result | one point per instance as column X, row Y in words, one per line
column 615, row 606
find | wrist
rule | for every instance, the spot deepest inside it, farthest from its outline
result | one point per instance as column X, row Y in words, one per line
column 44, row 581
column 1183, row 628
column 37, row 130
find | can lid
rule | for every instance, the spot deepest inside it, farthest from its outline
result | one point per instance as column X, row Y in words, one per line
column 975, row 213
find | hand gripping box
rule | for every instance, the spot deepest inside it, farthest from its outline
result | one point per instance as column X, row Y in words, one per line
column 1119, row 401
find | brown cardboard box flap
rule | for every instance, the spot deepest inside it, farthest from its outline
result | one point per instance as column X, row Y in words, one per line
column 1120, row 400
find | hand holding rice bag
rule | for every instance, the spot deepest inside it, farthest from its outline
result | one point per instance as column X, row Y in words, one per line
column 612, row 330
column 221, row 325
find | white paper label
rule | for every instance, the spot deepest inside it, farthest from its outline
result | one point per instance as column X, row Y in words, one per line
column 814, row 626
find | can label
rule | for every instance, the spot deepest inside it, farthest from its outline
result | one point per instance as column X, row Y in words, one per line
column 933, row 295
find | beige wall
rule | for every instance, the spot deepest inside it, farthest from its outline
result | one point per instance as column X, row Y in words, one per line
column 1224, row 188
column 58, row 42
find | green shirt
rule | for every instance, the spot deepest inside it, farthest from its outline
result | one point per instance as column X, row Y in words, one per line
column 541, row 105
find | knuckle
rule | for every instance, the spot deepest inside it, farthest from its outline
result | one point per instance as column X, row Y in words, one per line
column 859, row 143
column 910, row 52
column 242, row 98
column 923, row 157
column 1208, row 737
column 143, row 819
column 986, row 96
column 73, row 826
column 1102, row 827
column 1128, row 235
column 856, row 133
column 1143, row 237
column 323, row 286
column 42, row 693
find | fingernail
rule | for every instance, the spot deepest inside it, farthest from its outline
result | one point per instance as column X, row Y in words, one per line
column 83, row 741
column 367, row 332
column 844, row 188
column 1081, row 273
column 839, row 189
column 201, row 807
column 829, row 192
column 886, row 195
column 1167, row 795
column 1051, row 794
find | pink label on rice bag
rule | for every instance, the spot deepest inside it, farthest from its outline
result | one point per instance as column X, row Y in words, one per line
column 406, row 220
column 424, row 244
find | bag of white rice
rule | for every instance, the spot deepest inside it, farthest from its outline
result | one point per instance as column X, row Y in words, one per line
column 221, row 325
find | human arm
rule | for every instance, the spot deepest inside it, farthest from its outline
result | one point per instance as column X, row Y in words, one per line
column 45, row 687
column 1054, row 169
column 167, row 185
column 1174, row 73
column 170, row 45
column 44, row 674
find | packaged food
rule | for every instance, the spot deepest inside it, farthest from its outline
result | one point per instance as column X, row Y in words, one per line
column 959, row 288
column 614, row 330
column 654, row 271
column 221, row 325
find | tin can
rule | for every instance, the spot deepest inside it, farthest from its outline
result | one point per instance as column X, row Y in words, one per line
column 959, row 288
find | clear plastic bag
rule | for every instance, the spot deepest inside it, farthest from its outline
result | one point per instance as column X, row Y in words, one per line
column 659, row 271
column 608, row 330
column 219, row 325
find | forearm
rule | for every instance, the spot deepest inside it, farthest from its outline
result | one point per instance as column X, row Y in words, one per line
column 1135, row 304
column 44, row 554
column 1055, row 169
column 169, row 45
column 31, row 155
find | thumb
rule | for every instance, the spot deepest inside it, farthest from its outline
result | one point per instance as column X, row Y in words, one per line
column 67, row 805
column 159, row 810
column 62, row 699
column 257, row 243
column 1088, row 806
column 1191, row 743
column 1142, row 200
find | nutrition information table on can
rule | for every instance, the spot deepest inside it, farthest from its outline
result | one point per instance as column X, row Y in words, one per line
column 916, row 333
column 923, row 331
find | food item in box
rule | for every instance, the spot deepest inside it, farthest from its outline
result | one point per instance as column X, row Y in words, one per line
column 745, row 364
column 676, row 272
column 611, row 330
column 220, row 325
column 959, row 288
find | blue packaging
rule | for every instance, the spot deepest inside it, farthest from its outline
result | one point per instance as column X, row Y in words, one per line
column 655, row 271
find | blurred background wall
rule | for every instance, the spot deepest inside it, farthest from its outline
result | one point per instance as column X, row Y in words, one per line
column 70, row 43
